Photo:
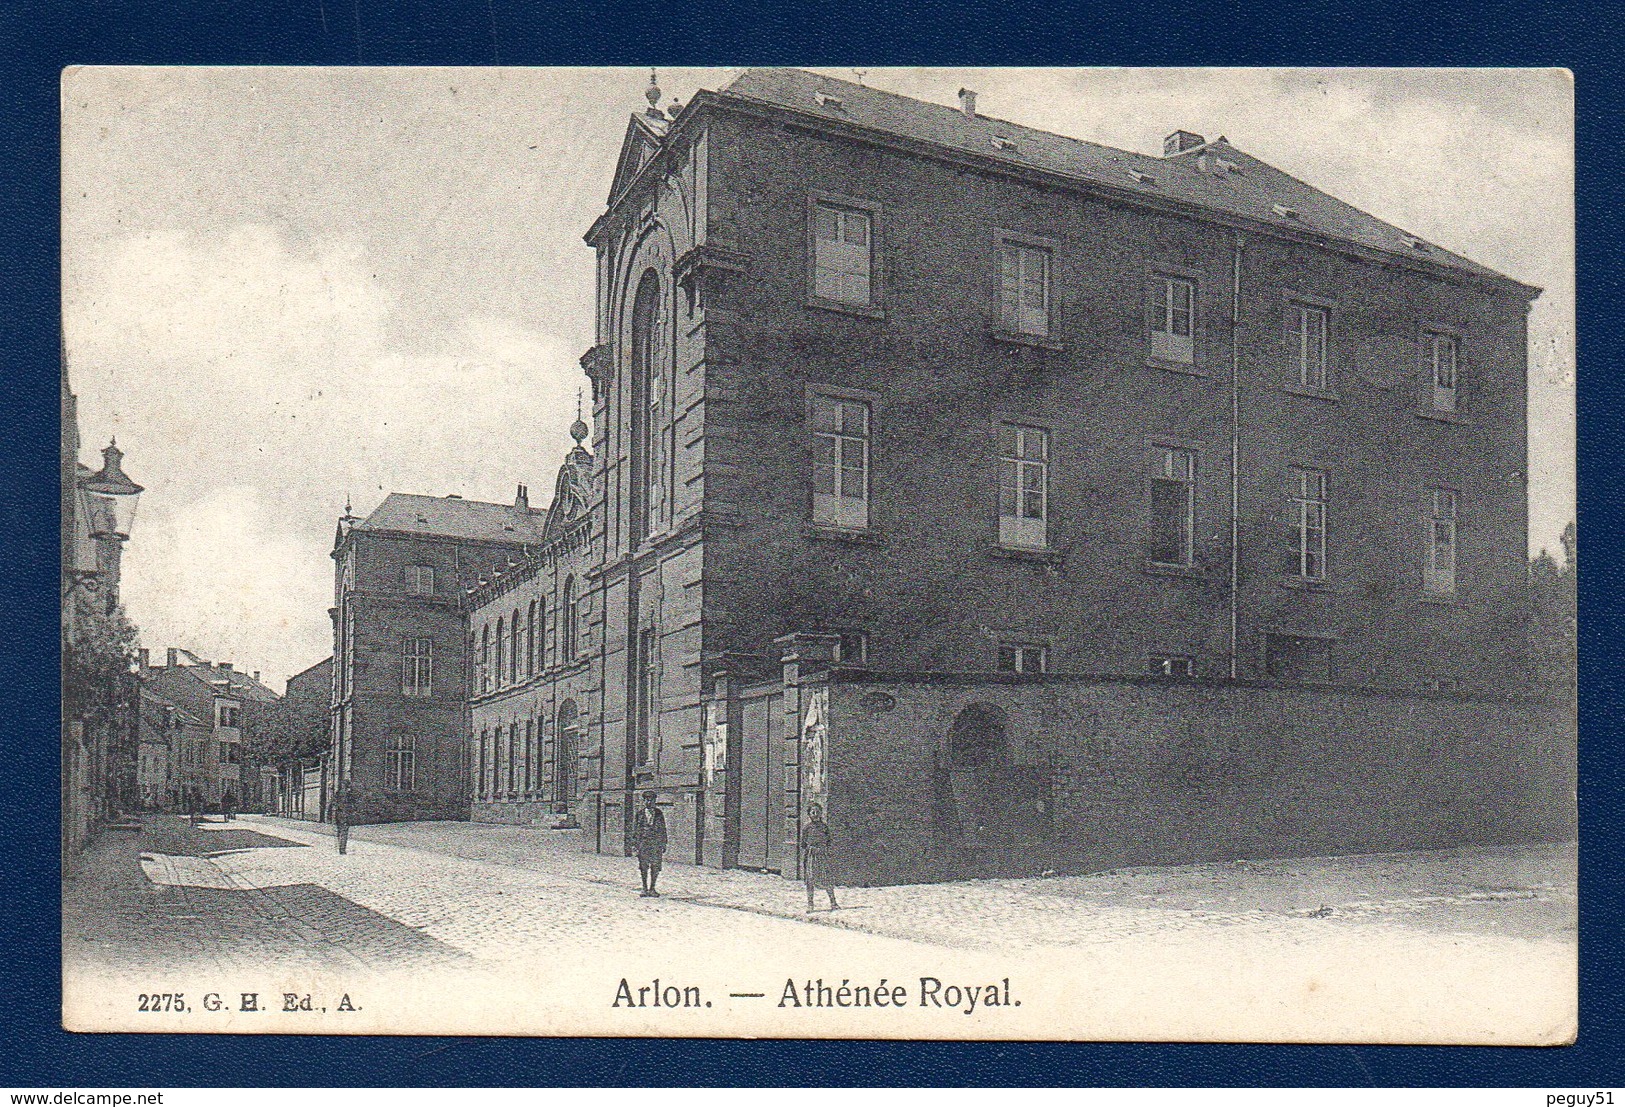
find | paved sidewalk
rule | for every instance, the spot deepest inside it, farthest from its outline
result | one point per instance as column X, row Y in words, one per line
column 150, row 899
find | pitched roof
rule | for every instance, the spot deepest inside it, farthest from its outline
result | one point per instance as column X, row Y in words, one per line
column 238, row 683
column 455, row 517
column 1215, row 176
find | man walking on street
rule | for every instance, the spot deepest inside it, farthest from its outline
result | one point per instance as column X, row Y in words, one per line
column 815, row 867
column 649, row 840
column 228, row 805
column 343, row 804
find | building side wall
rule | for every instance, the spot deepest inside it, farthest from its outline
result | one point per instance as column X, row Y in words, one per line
column 384, row 615
column 1100, row 774
column 930, row 585
column 548, row 685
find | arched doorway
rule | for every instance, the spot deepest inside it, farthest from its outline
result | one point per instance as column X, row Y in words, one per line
column 566, row 744
column 996, row 813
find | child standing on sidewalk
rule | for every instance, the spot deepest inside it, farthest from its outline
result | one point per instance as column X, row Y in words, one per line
column 815, row 844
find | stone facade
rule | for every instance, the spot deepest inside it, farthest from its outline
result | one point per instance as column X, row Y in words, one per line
column 530, row 638
column 399, row 703
column 1322, row 478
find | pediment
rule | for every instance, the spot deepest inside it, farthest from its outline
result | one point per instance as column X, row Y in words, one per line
column 643, row 135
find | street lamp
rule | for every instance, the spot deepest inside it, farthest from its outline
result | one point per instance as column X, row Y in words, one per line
column 117, row 491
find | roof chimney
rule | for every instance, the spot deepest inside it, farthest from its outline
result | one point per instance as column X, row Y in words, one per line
column 967, row 103
column 226, row 665
column 146, row 661
column 173, row 658
column 256, row 676
column 1180, row 141
column 521, row 499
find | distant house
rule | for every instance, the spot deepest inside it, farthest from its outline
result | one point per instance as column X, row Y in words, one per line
column 231, row 704
column 171, row 752
column 399, row 697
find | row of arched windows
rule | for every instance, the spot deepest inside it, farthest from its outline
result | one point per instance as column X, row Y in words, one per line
column 515, row 647
column 512, row 761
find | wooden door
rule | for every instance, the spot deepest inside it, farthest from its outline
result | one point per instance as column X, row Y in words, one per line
column 755, row 796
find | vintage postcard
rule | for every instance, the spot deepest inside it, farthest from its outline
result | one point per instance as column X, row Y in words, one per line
column 891, row 553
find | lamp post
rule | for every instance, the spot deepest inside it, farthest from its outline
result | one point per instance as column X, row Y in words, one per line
column 108, row 501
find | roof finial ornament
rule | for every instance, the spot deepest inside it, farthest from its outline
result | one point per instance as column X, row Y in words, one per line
column 652, row 93
column 860, row 74
column 578, row 429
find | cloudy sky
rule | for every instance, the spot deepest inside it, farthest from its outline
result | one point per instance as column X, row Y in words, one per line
column 285, row 286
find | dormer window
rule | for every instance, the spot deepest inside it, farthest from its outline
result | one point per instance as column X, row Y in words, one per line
column 1001, row 143
column 1284, row 212
column 1142, row 178
column 825, row 100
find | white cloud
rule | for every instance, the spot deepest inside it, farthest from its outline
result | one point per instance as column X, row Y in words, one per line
column 220, row 577
column 256, row 385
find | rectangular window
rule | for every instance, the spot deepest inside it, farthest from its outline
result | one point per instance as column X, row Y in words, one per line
column 1306, row 524
column 1170, row 665
column 417, row 666
column 1298, row 658
column 840, row 463
column 1439, row 573
column 842, row 254
column 1023, row 486
column 1308, row 339
column 1173, row 506
column 1023, row 657
column 420, row 580
column 852, row 648
column 400, row 763
column 1173, row 315
column 1441, row 358
column 648, row 692
column 1024, row 289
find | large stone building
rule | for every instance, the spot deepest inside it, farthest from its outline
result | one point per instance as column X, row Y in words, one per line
column 533, row 677
column 947, row 393
column 400, row 674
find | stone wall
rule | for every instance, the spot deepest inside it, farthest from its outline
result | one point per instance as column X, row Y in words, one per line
column 1096, row 773
column 929, row 583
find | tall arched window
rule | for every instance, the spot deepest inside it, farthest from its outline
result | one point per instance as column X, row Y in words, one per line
column 530, row 755
column 530, row 641
column 541, row 635
column 485, row 658
column 501, row 637
column 566, row 742
column 567, row 621
column 649, row 462
column 517, row 633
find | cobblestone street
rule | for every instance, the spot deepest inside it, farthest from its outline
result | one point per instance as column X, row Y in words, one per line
column 1479, row 931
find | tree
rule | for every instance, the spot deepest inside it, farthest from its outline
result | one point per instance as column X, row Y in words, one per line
column 1554, row 613
column 96, row 684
